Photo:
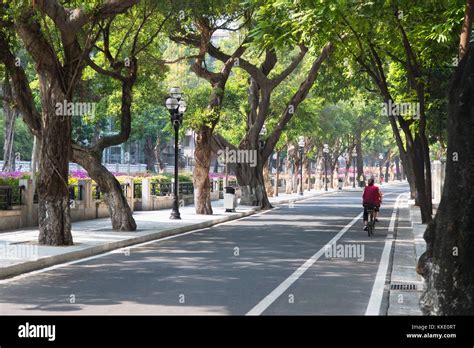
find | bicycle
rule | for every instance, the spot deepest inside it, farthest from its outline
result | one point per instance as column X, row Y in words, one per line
column 371, row 222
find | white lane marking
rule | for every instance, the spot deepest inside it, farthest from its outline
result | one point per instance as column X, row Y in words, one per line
column 121, row 250
column 280, row 289
column 375, row 301
column 391, row 227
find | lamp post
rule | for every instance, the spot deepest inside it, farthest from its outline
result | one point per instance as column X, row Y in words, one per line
column 354, row 156
column 176, row 106
column 325, row 153
column 301, row 144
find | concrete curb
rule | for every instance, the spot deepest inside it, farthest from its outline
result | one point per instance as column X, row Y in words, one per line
column 403, row 269
column 48, row 261
column 418, row 230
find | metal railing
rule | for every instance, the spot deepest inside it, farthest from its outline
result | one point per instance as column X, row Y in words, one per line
column 161, row 189
column 137, row 193
column 75, row 192
column 232, row 183
column 10, row 196
column 186, row 188
column 98, row 194
column 166, row 189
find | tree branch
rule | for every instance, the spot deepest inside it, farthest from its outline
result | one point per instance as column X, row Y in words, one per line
column 102, row 71
column 294, row 64
column 218, row 142
column 43, row 54
column 23, row 95
column 126, row 115
column 78, row 17
column 296, row 99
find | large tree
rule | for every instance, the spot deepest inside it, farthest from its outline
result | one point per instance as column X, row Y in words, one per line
column 59, row 41
column 449, row 257
column 397, row 44
column 197, row 30
column 121, row 43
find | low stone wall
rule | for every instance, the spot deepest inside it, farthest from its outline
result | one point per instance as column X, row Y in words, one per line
column 11, row 219
column 90, row 208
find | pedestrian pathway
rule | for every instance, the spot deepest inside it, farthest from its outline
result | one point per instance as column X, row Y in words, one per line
column 406, row 286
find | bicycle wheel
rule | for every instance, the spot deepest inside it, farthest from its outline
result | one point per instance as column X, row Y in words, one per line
column 370, row 231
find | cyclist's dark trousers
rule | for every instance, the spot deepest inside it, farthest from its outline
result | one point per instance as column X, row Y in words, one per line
column 367, row 207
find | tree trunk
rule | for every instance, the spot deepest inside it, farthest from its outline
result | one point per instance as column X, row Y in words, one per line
column 34, row 160
column 202, row 184
column 331, row 178
column 9, row 132
column 380, row 173
column 346, row 174
column 359, row 160
column 422, row 199
column 308, row 174
column 408, row 173
column 425, row 153
column 52, row 185
column 319, row 172
column 149, row 151
column 295, row 178
column 288, row 175
column 397, row 169
column 157, row 149
column 447, row 262
column 252, row 184
column 119, row 210
column 267, row 180
column 277, row 176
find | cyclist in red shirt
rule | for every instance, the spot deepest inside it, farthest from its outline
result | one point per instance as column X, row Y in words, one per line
column 371, row 198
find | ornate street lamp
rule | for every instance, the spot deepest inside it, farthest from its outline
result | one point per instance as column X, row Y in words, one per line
column 301, row 144
column 325, row 153
column 354, row 156
column 177, row 107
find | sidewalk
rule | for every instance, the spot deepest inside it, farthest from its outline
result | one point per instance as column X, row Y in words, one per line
column 20, row 252
column 406, row 286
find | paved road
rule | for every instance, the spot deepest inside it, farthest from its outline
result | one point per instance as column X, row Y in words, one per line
column 234, row 268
